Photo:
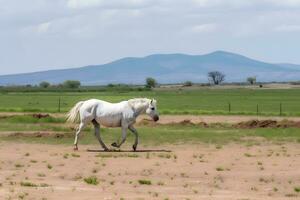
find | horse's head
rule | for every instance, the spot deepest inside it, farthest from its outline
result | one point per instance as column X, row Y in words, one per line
column 152, row 110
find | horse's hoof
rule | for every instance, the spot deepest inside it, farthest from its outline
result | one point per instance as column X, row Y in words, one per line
column 75, row 148
column 114, row 144
column 134, row 147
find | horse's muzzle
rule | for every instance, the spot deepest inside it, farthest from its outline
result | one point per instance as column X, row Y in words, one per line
column 155, row 118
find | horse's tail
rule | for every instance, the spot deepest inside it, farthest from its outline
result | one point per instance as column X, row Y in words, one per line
column 72, row 115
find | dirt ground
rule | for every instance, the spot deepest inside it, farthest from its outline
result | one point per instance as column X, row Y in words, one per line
column 196, row 171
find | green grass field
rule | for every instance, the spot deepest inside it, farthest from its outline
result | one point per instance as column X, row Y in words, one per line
column 200, row 101
column 162, row 134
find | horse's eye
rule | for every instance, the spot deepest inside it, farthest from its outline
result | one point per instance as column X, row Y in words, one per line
column 152, row 108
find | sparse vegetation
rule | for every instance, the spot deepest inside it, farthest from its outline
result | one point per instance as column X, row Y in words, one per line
column 144, row 182
column 28, row 184
column 92, row 180
column 297, row 189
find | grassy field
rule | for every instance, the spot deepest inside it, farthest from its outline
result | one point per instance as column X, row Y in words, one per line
column 162, row 134
column 200, row 101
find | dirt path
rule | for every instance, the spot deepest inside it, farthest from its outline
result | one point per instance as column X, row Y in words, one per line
column 263, row 172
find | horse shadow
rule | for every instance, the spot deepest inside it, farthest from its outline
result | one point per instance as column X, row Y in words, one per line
column 130, row 151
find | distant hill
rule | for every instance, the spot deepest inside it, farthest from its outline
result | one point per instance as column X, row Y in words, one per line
column 166, row 68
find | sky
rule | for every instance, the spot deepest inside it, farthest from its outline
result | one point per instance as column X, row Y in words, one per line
column 38, row 35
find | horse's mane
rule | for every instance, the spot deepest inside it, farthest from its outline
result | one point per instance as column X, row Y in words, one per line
column 139, row 102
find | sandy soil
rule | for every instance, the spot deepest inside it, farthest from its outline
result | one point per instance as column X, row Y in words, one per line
column 267, row 171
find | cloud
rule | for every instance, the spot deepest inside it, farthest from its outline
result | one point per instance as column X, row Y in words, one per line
column 288, row 28
column 203, row 28
column 110, row 29
column 83, row 3
column 117, row 4
column 44, row 27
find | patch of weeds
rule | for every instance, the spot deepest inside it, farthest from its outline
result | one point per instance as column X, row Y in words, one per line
column 220, row 169
column 144, row 182
column 77, row 177
column 160, row 183
column 44, row 185
column 33, row 161
column 112, row 182
column 297, row 189
column 22, row 196
column 28, row 184
column 164, row 155
column 27, row 154
column 49, row 166
column 291, row 195
column 92, row 180
column 263, row 180
column 75, row 155
column 254, row 188
column 275, row 189
column 66, row 156
column 259, row 163
column 19, row 165
column 248, row 155
column 41, row 175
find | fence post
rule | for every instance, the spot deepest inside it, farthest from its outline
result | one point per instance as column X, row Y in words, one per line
column 280, row 109
column 59, row 104
column 229, row 107
column 257, row 111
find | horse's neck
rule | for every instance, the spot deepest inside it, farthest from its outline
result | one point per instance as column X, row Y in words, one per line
column 140, row 109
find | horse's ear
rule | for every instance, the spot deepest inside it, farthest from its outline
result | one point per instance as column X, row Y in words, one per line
column 151, row 101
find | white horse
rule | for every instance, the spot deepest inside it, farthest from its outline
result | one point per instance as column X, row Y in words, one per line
column 122, row 114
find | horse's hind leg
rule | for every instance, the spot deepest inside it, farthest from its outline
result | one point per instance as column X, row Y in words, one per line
column 81, row 126
column 97, row 134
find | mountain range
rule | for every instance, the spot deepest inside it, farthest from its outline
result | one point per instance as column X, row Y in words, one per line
column 165, row 68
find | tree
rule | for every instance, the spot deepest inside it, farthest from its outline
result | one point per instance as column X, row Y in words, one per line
column 216, row 77
column 71, row 84
column 251, row 80
column 150, row 82
column 44, row 84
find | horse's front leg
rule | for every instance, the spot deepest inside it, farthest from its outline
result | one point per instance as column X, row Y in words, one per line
column 124, row 135
column 134, row 131
column 97, row 134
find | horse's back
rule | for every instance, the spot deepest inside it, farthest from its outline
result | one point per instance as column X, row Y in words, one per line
column 106, row 113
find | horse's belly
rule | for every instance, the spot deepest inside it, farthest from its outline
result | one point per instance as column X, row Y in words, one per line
column 110, row 122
